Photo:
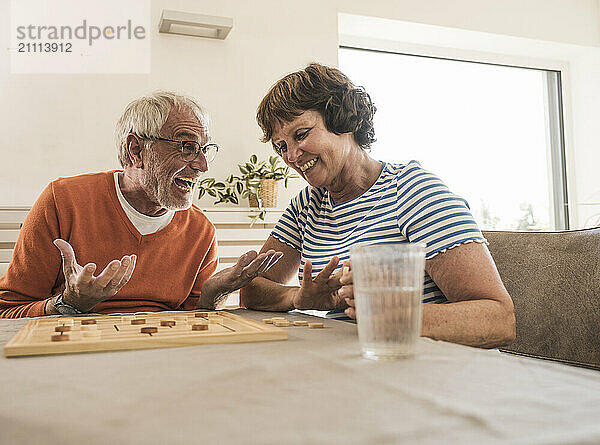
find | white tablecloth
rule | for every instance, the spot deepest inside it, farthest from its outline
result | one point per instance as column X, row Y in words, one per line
column 313, row 388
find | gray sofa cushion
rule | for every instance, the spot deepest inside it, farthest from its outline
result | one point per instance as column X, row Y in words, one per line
column 554, row 281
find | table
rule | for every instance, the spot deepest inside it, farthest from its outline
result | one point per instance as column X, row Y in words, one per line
column 313, row 388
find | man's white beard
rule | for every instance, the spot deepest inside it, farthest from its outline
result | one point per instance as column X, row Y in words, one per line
column 159, row 186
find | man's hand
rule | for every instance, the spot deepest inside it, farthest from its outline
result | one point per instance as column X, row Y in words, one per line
column 83, row 290
column 249, row 266
column 320, row 293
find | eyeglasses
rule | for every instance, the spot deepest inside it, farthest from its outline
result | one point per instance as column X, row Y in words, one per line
column 191, row 149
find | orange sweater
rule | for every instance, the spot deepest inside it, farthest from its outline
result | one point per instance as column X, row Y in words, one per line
column 172, row 264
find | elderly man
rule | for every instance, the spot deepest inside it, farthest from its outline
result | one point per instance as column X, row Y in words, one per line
column 155, row 250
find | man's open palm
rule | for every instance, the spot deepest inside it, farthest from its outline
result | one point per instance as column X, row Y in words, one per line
column 83, row 290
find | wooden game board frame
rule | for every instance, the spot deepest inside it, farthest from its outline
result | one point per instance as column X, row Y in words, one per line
column 242, row 330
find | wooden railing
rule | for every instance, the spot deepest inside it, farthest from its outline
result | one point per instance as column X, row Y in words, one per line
column 11, row 219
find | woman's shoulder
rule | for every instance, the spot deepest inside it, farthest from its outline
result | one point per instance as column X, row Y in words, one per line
column 309, row 196
column 410, row 175
column 399, row 170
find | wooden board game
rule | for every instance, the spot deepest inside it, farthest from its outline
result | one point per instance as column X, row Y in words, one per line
column 136, row 331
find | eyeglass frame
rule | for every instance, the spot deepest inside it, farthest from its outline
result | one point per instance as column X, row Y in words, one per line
column 200, row 149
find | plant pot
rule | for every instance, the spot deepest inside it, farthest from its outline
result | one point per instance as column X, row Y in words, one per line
column 267, row 193
column 252, row 200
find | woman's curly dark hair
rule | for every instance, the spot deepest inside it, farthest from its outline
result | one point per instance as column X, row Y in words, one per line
column 345, row 108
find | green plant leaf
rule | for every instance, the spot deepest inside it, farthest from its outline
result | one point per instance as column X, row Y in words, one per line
column 253, row 159
column 212, row 193
column 256, row 216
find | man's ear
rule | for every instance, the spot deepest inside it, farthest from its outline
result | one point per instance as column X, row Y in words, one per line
column 134, row 150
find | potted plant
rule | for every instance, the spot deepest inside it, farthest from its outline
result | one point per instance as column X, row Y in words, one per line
column 256, row 181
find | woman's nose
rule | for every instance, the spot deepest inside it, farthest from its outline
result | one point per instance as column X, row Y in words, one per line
column 293, row 153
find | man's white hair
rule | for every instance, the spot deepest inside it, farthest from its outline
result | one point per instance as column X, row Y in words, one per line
column 146, row 116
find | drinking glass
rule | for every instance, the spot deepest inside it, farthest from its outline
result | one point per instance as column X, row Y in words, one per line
column 388, row 288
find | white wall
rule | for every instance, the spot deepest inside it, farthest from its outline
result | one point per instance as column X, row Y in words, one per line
column 57, row 125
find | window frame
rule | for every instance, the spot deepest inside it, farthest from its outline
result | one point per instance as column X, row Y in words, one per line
column 557, row 126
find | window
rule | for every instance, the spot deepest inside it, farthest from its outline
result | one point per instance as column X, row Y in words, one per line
column 493, row 133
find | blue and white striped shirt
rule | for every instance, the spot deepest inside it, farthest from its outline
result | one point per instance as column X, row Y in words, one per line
column 406, row 204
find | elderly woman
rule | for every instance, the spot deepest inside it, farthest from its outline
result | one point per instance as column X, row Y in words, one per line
column 322, row 126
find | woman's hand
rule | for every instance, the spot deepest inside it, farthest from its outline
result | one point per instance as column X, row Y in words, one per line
column 320, row 293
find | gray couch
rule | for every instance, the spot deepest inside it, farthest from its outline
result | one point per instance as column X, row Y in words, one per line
column 554, row 280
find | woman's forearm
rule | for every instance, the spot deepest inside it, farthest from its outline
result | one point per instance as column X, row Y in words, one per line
column 482, row 323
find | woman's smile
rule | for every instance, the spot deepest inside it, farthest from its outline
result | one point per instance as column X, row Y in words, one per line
column 308, row 165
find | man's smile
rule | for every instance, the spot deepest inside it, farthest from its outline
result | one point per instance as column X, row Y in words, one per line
column 185, row 184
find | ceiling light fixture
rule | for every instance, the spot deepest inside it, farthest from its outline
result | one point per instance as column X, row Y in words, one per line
column 198, row 25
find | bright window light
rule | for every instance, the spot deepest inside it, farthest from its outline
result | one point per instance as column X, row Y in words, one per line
column 484, row 129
